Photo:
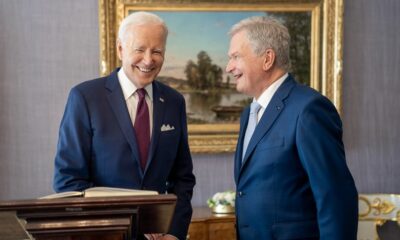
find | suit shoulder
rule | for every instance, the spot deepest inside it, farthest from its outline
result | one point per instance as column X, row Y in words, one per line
column 306, row 100
column 306, row 95
column 92, row 84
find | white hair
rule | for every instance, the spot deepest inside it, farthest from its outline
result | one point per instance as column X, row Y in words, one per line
column 140, row 18
column 266, row 33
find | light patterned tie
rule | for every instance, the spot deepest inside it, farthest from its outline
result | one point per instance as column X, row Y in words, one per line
column 142, row 127
column 251, row 125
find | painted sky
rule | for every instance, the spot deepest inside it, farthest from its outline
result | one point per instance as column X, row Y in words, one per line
column 192, row 32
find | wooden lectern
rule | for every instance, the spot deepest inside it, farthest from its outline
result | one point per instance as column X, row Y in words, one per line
column 100, row 218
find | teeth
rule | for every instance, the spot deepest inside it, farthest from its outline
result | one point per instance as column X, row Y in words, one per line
column 146, row 70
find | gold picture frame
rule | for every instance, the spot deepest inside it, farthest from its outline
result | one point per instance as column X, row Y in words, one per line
column 326, row 57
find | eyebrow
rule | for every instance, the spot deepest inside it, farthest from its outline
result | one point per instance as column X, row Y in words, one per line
column 232, row 53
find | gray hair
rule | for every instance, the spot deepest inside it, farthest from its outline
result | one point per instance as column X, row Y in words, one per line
column 140, row 18
column 266, row 33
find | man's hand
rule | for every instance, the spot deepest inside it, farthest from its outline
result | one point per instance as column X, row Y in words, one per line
column 159, row 236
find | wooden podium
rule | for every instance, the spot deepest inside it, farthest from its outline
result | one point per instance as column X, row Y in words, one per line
column 103, row 218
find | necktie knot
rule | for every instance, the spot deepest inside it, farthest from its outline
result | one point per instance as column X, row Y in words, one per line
column 141, row 92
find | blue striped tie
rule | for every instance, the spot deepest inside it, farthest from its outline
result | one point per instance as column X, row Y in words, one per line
column 251, row 126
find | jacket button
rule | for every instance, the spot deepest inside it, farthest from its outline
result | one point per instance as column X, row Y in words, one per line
column 240, row 194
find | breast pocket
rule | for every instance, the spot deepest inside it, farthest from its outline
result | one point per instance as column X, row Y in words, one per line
column 169, row 139
column 169, row 133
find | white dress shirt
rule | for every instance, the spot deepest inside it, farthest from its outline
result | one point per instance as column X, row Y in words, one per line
column 267, row 95
column 132, row 98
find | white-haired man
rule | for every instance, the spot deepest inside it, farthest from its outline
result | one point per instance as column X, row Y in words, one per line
column 113, row 130
column 290, row 169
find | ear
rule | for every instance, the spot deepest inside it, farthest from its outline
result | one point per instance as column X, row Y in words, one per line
column 269, row 59
column 119, row 49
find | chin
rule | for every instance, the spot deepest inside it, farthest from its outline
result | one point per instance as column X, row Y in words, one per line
column 240, row 89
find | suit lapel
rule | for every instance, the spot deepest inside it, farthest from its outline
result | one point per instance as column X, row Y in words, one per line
column 239, row 148
column 270, row 115
column 159, row 105
column 118, row 105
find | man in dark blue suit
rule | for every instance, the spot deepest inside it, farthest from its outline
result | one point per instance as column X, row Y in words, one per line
column 290, row 168
column 99, row 136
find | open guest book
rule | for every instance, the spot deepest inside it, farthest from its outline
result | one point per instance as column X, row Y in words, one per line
column 102, row 192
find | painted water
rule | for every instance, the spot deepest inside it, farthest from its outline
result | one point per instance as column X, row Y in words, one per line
column 218, row 107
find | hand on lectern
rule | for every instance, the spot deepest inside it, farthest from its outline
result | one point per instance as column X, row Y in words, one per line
column 159, row 236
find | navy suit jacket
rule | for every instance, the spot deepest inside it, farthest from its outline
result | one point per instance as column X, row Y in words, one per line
column 293, row 182
column 97, row 145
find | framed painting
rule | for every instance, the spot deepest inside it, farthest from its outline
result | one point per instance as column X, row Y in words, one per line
column 198, row 40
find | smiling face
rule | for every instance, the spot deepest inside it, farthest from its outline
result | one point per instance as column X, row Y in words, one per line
column 247, row 68
column 142, row 52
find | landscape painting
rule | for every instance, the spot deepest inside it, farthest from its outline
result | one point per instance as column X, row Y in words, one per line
column 197, row 48
column 196, row 58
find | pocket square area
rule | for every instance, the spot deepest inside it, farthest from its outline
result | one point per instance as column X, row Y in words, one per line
column 167, row 128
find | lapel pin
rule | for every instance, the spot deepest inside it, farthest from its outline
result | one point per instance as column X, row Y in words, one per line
column 162, row 99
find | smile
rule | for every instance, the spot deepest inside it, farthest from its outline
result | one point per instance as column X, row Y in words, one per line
column 237, row 75
column 145, row 70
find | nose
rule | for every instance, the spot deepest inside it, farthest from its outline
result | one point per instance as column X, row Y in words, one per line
column 147, row 58
column 229, row 67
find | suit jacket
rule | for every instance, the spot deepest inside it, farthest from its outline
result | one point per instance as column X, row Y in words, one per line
column 97, row 145
column 293, row 182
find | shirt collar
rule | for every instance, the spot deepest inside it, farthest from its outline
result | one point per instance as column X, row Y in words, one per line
column 128, row 88
column 268, row 93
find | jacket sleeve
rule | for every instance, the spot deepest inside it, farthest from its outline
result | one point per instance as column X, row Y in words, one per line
column 71, row 170
column 321, row 151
